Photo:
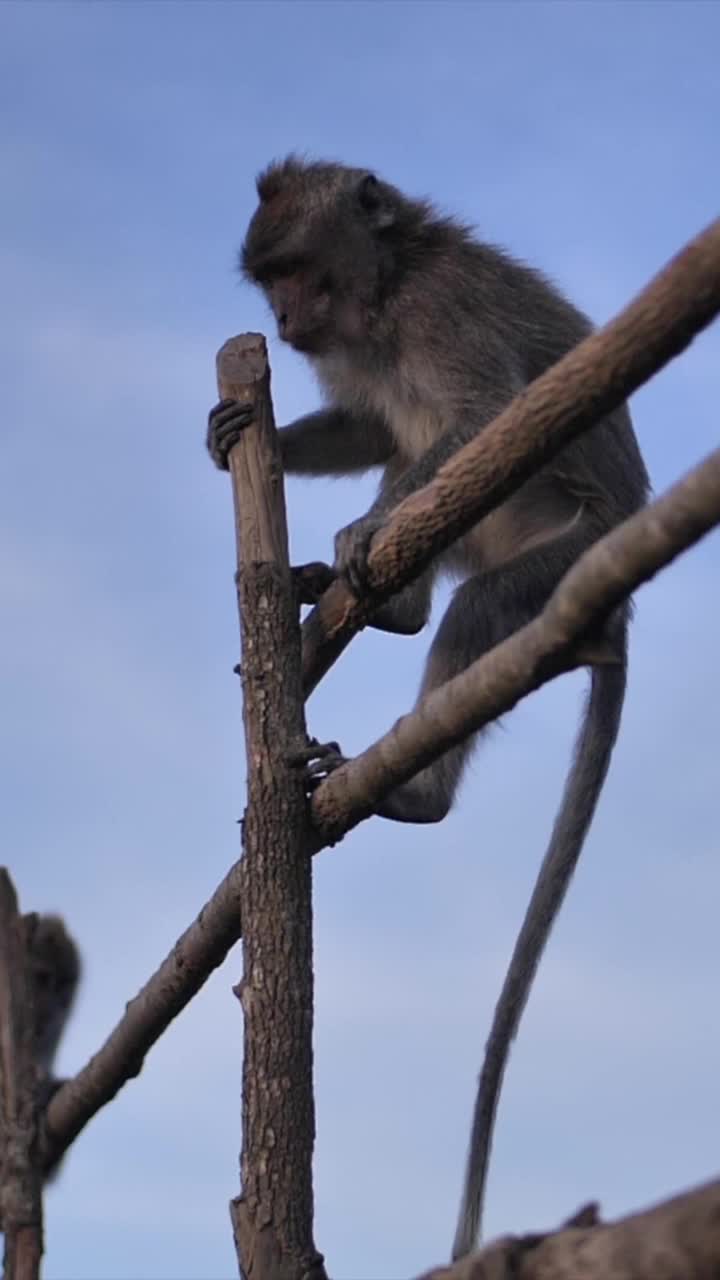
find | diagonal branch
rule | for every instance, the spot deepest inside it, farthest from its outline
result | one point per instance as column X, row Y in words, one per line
column 679, row 1238
column 594, row 378
column 196, row 954
column 604, row 575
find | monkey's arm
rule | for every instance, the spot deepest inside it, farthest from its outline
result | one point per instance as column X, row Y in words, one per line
column 331, row 442
column 491, row 400
column 352, row 544
column 335, row 442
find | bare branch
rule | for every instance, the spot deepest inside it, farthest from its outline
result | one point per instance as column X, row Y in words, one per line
column 182, row 973
column 20, row 1177
column 606, row 574
column 273, row 1216
column 678, row 1238
column 594, row 378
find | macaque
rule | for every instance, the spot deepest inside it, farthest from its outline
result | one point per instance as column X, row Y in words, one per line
column 420, row 335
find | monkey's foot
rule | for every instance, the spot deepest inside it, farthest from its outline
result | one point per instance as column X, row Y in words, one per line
column 317, row 761
column 226, row 423
column 312, row 580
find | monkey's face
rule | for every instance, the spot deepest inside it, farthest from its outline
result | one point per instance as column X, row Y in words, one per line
column 314, row 246
column 319, row 300
column 302, row 303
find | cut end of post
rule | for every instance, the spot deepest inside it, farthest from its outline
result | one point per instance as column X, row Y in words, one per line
column 240, row 362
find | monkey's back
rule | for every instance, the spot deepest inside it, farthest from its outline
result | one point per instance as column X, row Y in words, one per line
column 464, row 328
column 484, row 322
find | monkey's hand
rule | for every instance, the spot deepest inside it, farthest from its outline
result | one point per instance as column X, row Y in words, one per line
column 226, row 423
column 352, row 548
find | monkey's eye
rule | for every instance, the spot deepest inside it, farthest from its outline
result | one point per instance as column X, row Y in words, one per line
column 326, row 283
column 286, row 267
column 269, row 272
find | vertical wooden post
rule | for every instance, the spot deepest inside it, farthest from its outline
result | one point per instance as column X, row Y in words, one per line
column 272, row 1218
column 20, row 1178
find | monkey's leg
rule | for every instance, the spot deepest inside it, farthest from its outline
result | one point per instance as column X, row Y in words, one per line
column 407, row 612
column 483, row 612
column 328, row 442
column 404, row 614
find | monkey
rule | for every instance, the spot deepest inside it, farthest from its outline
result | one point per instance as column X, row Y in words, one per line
column 420, row 334
column 55, row 969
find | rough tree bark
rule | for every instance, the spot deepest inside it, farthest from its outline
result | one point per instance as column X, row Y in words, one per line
column 20, row 1179
column 273, row 1216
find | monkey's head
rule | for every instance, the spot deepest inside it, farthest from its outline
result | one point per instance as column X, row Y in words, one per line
column 320, row 245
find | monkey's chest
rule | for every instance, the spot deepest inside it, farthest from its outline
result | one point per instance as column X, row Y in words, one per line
column 415, row 427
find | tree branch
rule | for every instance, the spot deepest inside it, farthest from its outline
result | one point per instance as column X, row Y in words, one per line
column 594, row 378
column 273, row 1216
column 199, row 951
column 680, row 1238
column 603, row 576
column 20, row 1178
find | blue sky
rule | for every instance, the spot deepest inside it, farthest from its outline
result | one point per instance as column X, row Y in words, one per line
column 583, row 136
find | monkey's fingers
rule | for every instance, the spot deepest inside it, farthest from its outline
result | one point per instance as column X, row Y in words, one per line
column 352, row 548
column 312, row 580
column 226, row 423
column 317, row 761
column 317, row 771
column 313, row 750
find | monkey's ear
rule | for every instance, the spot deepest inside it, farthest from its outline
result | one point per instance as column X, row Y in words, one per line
column 374, row 202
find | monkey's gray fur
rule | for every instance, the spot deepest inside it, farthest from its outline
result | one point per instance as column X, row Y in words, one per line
column 420, row 335
column 55, row 969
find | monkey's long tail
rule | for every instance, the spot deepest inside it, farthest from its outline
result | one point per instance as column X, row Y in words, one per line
column 591, row 758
